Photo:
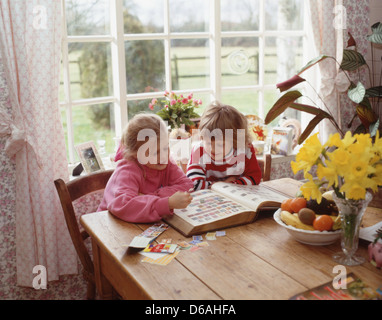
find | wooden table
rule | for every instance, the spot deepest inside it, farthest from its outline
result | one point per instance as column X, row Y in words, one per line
column 255, row 261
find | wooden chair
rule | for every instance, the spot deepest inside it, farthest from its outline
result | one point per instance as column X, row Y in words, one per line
column 265, row 166
column 69, row 192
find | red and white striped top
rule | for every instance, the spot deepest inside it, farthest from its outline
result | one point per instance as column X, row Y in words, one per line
column 203, row 170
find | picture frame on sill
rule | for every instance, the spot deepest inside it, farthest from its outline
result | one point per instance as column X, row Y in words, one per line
column 89, row 157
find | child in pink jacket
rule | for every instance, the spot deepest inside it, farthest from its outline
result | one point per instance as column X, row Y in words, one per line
column 146, row 185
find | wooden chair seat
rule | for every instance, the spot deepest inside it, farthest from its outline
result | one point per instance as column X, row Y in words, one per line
column 265, row 165
column 68, row 193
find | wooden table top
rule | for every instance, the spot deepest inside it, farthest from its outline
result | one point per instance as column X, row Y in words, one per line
column 255, row 261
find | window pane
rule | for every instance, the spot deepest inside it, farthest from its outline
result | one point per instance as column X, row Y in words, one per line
column 283, row 58
column 189, row 16
column 145, row 69
column 94, row 123
column 246, row 101
column 87, row 17
column 90, row 70
column 240, row 15
column 240, row 61
column 137, row 106
column 206, row 100
column 143, row 16
column 190, row 64
column 284, row 14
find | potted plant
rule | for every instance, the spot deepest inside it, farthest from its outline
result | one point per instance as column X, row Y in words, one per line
column 362, row 98
column 179, row 112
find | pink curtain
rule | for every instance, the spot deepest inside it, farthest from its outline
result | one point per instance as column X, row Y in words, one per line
column 358, row 24
column 328, row 39
column 30, row 46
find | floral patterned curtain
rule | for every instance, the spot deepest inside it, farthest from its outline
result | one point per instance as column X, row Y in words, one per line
column 30, row 48
column 328, row 39
column 331, row 21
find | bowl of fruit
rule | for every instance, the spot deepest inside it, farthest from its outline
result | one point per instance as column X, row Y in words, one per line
column 310, row 222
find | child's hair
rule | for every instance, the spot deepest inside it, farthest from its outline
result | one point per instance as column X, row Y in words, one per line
column 222, row 116
column 142, row 121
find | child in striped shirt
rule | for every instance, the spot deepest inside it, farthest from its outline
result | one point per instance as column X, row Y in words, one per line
column 225, row 151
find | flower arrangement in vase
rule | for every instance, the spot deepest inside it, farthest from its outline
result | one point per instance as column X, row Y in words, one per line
column 351, row 166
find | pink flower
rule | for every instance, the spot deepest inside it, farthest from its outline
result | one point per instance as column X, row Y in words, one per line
column 185, row 100
column 190, row 96
column 154, row 101
column 166, row 106
column 151, row 106
column 172, row 102
column 166, row 93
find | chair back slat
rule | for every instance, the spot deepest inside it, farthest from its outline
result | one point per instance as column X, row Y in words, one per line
column 69, row 192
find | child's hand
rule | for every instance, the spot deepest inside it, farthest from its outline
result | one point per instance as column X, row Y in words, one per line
column 230, row 179
column 179, row 200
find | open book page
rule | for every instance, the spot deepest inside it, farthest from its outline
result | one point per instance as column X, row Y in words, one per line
column 250, row 196
column 208, row 206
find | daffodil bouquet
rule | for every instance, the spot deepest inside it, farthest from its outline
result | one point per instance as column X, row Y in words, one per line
column 351, row 165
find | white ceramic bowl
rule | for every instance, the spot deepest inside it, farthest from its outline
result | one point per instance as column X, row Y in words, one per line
column 315, row 238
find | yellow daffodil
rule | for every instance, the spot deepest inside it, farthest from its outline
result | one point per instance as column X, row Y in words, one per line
column 308, row 154
column 334, row 141
column 351, row 165
column 353, row 190
column 329, row 173
column 347, row 140
column 311, row 190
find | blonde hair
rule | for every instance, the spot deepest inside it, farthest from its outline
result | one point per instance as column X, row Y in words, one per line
column 139, row 122
column 222, row 116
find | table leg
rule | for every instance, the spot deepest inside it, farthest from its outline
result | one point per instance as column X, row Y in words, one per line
column 104, row 288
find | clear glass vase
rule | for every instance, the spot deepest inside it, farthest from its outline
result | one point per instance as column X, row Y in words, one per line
column 351, row 212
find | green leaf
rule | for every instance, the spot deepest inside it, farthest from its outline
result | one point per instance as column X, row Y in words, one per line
column 281, row 105
column 356, row 94
column 373, row 128
column 310, row 109
column 376, row 36
column 310, row 127
column 374, row 92
column 352, row 60
column 312, row 62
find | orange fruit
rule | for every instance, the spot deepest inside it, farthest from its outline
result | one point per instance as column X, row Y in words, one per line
column 285, row 205
column 297, row 204
column 323, row 223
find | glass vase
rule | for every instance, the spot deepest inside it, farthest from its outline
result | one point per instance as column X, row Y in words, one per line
column 351, row 213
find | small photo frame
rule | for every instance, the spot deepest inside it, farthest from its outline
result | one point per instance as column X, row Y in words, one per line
column 89, row 157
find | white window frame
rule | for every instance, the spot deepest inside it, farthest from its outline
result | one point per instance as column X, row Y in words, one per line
column 117, row 40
